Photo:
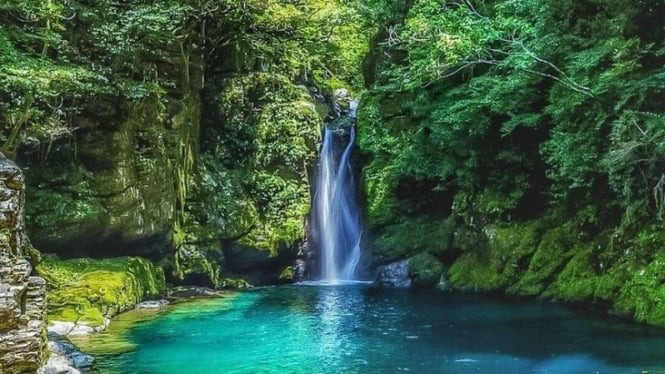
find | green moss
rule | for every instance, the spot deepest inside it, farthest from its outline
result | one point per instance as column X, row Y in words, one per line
column 287, row 275
column 262, row 137
column 555, row 248
column 643, row 294
column 577, row 281
column 87, row 290
column 198, row 255
column 501, row 262
column 474, row 271
column 425, row 269
column 234, row 283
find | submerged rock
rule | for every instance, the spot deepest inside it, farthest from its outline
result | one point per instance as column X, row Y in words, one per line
column 153, row 304
column 81, row 361
column 183, row 292
column 395, row 274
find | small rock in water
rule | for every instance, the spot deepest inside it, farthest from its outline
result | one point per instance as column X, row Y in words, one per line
column 153, row 304
column 395, row 274
column 192, row 291
column 65, row 358
column 81, row 360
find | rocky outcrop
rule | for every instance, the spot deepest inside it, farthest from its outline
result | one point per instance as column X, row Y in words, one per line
column 22, row 296
column 422, row 270
column 395, row 274
column 85, row 293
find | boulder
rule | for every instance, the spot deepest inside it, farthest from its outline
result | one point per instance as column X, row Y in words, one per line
column 395, row 274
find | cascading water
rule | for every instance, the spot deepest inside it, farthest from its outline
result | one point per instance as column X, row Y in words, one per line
column 336, row 213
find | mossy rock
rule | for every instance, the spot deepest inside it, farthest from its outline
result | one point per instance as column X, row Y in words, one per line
column 499, row 264
column 577, row 281
column 287, row 275
column 552, row 253
column 234, row 283
column 87, row 290
column 425, row 269
column 643, row 294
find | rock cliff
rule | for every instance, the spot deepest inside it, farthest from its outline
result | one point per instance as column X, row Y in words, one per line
column 22, row 296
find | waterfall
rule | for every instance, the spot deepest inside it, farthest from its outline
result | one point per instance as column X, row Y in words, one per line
column 336, row 213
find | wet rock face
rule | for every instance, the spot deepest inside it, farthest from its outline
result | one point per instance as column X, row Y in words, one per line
column 22, row 297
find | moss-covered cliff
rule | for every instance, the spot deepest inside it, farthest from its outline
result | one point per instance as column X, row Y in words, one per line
column 115, row 189
column 180, row 131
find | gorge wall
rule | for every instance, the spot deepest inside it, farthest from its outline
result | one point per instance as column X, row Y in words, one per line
column 22, row 295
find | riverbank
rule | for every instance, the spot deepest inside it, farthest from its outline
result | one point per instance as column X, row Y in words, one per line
column 74, row 347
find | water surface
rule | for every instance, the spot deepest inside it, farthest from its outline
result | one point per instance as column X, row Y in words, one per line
column 359, row 329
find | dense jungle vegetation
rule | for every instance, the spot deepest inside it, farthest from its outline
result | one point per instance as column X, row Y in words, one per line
column 516, row 146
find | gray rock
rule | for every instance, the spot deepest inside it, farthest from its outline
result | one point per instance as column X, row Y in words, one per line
column 58, row 365
column 61, row 328
column 192, row 291
column 22, row 297
column 65, row 357
column 153, row 304
column 81, row 329
column 443, row 283
column 395, row 274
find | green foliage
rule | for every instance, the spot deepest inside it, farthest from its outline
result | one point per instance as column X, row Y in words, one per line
column 57, row 57
column 259, row 145
column 495, row 109
column 542, row 122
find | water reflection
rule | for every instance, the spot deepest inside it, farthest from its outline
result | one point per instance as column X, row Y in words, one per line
column 339, row 311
